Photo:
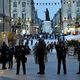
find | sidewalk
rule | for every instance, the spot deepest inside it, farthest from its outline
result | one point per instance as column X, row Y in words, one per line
column 50, row 73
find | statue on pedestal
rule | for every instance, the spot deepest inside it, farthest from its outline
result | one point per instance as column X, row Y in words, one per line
column 47, row 15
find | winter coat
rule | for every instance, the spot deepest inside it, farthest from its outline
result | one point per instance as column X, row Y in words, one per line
column 41, row 54
column 78, row 54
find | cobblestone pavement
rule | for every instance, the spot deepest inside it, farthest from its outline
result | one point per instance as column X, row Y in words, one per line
column 50, row 72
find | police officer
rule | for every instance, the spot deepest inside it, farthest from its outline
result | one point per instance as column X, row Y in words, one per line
column 61, row 56
column 21, row 57
column 11, row 53
column 78, row 54
column 4, row 54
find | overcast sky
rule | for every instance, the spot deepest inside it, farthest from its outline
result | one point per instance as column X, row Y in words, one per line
column 53, row 8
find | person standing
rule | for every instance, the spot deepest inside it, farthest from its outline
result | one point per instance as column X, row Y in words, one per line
column 31, row 41
column 61, row 56
column 28, row 50
column 78, row 54
column 51, row 47
column 40, row 55
column 20, row 56
column 11, row 53
column 4, row 54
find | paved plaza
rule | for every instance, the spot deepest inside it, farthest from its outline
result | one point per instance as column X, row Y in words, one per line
column 50, row 73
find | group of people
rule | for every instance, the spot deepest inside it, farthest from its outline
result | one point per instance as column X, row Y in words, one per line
column 61, row 52
column 40, row 52
column 21, row 51
column 6, row 56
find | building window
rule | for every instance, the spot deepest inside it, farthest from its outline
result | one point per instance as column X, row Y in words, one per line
column 78, row 3
column 78, row 15
column 14, row 4
column 15, row 15
column 23, row 4
column 78, row 10
column 14, row 10
column 23, row 10
column 19, row 2
column 69, row 14
column 24, row 16
column 69, row 3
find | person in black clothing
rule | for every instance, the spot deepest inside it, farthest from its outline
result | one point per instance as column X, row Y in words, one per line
column 40, row 55
column 20, row 56
column 11, row 53
column 31, row 41
column 78, row 57
column 4, row 54
column 27, row 49
column 61, row 56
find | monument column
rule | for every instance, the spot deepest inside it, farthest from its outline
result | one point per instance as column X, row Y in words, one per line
column 47, row 23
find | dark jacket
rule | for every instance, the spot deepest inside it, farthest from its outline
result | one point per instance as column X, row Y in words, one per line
column 4, row 53
column 61, row 51
column 78, row 53
column 20, row 53
column 41, row 52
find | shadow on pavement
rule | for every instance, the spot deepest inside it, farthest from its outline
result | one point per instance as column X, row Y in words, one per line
column 6, row 78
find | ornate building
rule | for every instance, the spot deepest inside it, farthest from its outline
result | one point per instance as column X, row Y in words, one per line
column 57, row 22
column 5, row 15
column 70, row 16
column 25, row 11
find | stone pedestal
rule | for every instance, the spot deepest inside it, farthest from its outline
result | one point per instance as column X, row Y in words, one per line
column 47, row 27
